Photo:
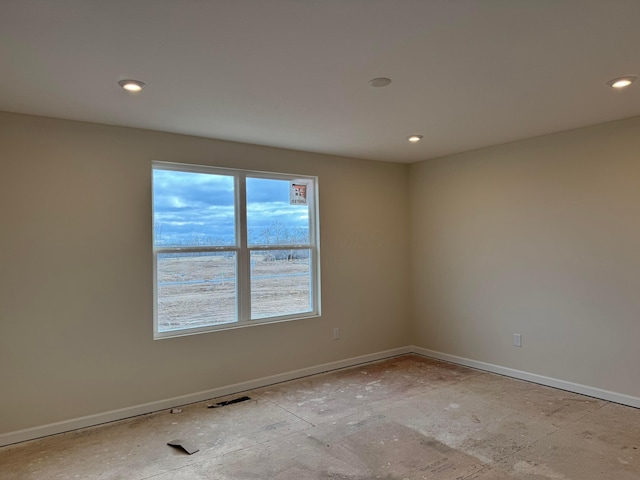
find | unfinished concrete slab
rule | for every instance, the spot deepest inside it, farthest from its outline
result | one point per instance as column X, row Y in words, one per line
column 468, row 423
column 137, row 448
column 604, row 444
column 333, row 395
column 542, row 403
column 403, row 418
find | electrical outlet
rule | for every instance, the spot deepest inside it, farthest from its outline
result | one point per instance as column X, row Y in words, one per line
column 517, row 340
column 336, row 333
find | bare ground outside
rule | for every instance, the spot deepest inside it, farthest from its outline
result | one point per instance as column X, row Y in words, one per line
column 196, row 291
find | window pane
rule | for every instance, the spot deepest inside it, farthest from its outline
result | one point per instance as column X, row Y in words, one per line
column 272, row 219
column 195, row 289
column 280, row 282
column 193, row 209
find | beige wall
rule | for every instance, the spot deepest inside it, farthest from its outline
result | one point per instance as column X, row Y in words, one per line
column 539, row 237
column 76, row 271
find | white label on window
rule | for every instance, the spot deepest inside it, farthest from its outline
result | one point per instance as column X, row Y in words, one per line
column 298, row 193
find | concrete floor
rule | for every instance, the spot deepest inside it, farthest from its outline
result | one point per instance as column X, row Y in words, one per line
column 403, row 418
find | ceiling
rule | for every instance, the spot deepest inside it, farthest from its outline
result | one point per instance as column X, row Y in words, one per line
column 294, row 73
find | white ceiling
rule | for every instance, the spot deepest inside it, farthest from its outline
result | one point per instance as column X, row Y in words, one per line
column 294, row 73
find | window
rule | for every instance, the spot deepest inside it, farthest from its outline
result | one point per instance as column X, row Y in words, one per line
column 232, row 248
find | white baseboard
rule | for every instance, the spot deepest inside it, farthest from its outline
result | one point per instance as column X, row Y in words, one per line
column 532, row 377
column 122, row 413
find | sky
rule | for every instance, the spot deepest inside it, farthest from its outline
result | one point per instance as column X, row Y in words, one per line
column 198, row 209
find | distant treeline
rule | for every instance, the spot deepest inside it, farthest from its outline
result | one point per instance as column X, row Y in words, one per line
column 275, row 234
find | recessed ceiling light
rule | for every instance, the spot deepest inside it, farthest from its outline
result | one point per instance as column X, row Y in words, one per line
column 414, row 138
column 621, row 82
column 379, row 82
column 131, row 85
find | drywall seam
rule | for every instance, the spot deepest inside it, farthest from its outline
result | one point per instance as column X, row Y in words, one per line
column 120, row 414
column 532, row 377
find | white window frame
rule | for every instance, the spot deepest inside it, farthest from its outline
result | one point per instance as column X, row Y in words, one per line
column 243, row 251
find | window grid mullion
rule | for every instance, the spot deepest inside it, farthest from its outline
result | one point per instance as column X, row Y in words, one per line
column 244, row 267
column 159, row 250
column 257, row 248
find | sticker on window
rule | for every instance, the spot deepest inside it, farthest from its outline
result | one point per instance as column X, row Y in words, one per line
column 298, row 193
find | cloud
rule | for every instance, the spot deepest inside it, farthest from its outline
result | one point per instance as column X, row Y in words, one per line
column 267, row 190
column 193, row 208
column 176, row 190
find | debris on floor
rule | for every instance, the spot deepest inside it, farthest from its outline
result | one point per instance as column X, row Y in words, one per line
column 228, row 402
column 176, row 410
column 186, row 446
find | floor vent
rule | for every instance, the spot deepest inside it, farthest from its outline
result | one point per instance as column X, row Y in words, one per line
column 229, row 402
